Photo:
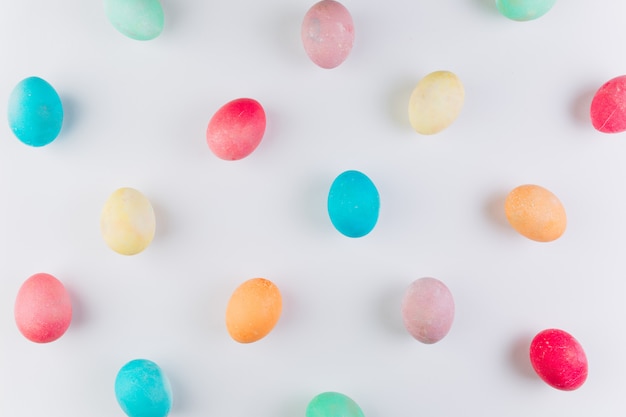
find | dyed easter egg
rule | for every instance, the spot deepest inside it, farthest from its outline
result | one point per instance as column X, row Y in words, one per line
column 138, row 19
column 43, row 309
column 327, row 33
column 436, row 102
column 608, row 107
column 558, row 359
column 522, row 10
column 35, row 112
column 536, row 213
column 333, row 404
column 127, row 222
column 253, row 310
column 428, row 310
column 236, row 129
column 143, row 390
column 353, row 204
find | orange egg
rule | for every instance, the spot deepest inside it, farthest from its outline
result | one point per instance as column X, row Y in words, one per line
column 253, row 310
column 535, row 213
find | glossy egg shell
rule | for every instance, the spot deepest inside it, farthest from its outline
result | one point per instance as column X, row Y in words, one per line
column 253, row 310
column 43, row 308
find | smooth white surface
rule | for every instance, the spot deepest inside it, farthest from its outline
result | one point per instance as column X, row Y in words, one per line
column 136, row 114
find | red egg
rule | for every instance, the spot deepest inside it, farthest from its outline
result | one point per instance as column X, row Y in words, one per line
column 236, row 129
column 43, row 309
column 608, row 107
column 558, row 359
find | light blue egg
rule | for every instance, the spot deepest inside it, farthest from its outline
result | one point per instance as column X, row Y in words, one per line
column 143, row 390
column 353, row 204
column 35, row 112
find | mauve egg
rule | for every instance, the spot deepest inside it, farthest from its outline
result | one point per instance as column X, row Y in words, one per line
column 327, row 33
column 43, row 309
column 428, row 310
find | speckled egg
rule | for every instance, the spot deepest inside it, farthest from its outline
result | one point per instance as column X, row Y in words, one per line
column 608, row 106
column 236, row 129
column 127, row 222
column 436, row 102
column 43, row 308
column 353, row 204
column 523, row 10
column 428, row 310
column 559, row 359
column 327, row 33
column 253, row 310
column 143, row 390
column 536, row 213
column 333, row 404
column 141, row 20
column 35, row 112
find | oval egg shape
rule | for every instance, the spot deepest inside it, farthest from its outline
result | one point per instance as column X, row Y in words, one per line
column 127, row 222
column 353, row 204
column 436, row 102
column 536, row 213
column 333, row 404
column 327, row 33
column 559, row 359
column 236, row 129
column 523, row 10
column 43, row 308
column 253, row 310
column 428, row 310
column 143, row 390
column 35, row 112
column 141, row 20
column 608, row 106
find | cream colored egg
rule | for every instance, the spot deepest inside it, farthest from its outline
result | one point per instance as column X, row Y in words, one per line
column 436, row 102
column 127, row 223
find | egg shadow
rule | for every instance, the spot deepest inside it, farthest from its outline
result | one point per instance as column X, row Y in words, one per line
column 581, row 106
column 284, row 31
column 78, row 309
column 489, row 5
column 292, row 407
column 390, row 310
column 494, row 210
column 398, row 102
column 71, row 114
column 162, row 221
column 519, row 357
column 311, row 204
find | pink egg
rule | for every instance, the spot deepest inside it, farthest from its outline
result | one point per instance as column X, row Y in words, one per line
column 608, row 107
column 558, row 359
column 327, row 33
column 236, row 129
column 43, row 309
column 428, row 310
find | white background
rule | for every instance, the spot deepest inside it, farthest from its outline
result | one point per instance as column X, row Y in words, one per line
column 136, row 114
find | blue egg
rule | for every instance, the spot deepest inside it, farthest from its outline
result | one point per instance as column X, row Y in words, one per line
column 143, row 390
column 353, row 204
column 35, row 112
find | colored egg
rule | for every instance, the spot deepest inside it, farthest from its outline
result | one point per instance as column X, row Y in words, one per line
column 327, row 33
column 522, row 10
column 559, row 359
column 236, row 129
column 353, row 204
column 428, row 310
column 536, row 213
column 608, row 106
column 142, row 20
column 127, row 222
column 333, row 404
column 253, row 310
column 143, row 390
column 436, row 102
column 35, row 112
column 43, row 309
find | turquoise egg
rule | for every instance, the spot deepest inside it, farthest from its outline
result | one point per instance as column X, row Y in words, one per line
column 333, row 404
column 143, row 390
column 522, row 10
column 353, row 204
column 141, row 20
column 35, row 112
